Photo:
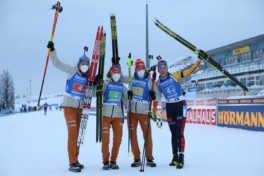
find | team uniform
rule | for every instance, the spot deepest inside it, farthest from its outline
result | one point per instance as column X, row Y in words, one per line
column 115, row 96
column 176, row 110
column 72, row 104
column 141, row 87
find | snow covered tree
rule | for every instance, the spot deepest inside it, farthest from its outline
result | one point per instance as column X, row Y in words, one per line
column 7, row 91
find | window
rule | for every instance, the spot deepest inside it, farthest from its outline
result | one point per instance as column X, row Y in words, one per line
column 251, row 81
column 243, row 81
column 209, row 85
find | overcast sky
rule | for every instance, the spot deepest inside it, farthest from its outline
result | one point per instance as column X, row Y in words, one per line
column 26, row 29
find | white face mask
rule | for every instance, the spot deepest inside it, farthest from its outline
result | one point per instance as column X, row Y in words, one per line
column 116, row 77
column 84, row 68
column 141, row 73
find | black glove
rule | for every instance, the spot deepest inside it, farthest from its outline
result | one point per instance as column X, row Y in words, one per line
column 97, row 79
column 159, row 122
column 51, row 46
column 152, row 94
column 129, row 94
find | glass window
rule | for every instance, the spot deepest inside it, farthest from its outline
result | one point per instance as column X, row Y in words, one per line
column 260, row 53
column 209, row 85
column 243, row 80
column 250, row 81
column 249, row 56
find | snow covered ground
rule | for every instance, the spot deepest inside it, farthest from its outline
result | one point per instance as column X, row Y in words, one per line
column 35, row 145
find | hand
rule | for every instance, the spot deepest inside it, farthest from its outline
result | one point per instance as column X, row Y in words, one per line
column 37, row 108
column 51, row 46
column 153, row 116
column 152, row 94
column 130, row 94
column 159, row 122
column 97, row 79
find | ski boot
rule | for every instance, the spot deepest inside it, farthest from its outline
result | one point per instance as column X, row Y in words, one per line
column 180, row 162
column 74, row 168
column 151, row 163
column 136, row 163
column 106, row 166
column 174, row 160
column 113, row 165
column 81, row 166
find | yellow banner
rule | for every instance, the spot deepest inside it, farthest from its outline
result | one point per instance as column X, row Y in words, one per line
column 241, row 50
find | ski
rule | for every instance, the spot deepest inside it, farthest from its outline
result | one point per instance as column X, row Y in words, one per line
column 129, row 63
column 201, row 54
column 90, row 86
column 99, row 91
column 115, row 58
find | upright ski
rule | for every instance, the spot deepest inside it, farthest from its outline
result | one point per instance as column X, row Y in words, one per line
column 99, row 91
column 115, row 58
column 129, row 64
column 90, row 86
column 201, row 54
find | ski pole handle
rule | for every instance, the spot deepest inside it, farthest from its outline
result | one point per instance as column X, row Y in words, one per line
column 85, row 49
column 57, row 7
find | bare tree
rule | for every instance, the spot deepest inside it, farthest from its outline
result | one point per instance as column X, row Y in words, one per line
column 7, row 91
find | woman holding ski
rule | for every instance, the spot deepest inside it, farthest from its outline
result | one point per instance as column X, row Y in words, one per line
column 176, row 109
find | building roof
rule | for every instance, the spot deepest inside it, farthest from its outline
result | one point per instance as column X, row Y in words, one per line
column 237, row 44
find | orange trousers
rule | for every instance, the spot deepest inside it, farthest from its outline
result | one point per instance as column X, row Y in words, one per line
column 117, row 126
column 73, row 118
column 142, row 119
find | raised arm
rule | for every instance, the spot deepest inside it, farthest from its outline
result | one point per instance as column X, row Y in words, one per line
column 187, row 72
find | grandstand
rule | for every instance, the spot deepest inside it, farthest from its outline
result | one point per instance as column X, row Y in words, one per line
column 243, row 59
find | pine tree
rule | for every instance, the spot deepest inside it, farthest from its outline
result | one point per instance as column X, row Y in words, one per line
column 7, row 91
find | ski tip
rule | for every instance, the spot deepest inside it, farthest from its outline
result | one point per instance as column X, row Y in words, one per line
column 156, row 21
column 112, row 15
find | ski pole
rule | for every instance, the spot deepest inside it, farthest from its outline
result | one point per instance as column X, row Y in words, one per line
column 154, row 74
column 58, row 9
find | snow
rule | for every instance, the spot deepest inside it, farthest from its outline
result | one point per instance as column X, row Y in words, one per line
column 36, row 145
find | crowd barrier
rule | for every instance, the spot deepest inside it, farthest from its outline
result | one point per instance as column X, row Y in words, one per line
column 244, row 113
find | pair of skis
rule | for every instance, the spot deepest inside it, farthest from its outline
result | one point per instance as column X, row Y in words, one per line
column 201, row 54
column 99, row 46
column 99, row 51
column 129, row 119
column 99, row 91
column 116, row 61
